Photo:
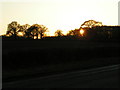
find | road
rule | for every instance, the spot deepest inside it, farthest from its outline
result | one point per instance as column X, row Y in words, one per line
column 103, row 77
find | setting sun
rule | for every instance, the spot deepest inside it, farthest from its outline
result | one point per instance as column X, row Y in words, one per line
column 58, row 14
column 82, row 32
column 61, row 43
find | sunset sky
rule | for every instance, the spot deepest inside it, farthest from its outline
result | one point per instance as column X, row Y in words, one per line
column 57, row 14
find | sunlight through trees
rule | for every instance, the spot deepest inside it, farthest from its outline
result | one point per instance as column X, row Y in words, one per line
column 89, row 29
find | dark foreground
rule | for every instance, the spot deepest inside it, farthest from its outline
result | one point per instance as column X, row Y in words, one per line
column 102, row 77
column 29, row 60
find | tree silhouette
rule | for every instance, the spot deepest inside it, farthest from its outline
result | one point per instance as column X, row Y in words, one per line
column 70, row 33
column 37, row 31
column 91, row 23
column 12, row 29
column 59, row 33
column 23, row 29
column 73, row 32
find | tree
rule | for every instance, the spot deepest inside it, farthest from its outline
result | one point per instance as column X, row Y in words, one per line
column 70, row 33
column 42, row 31
column 73, row 32
column 23, row 30
column 59, row 33
column 91, row 23
column 12, row 29
column 36, row 31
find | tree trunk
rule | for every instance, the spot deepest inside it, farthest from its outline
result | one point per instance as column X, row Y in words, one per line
column 41, row 35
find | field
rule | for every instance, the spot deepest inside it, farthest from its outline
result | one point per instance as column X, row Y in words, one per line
column 29, row 58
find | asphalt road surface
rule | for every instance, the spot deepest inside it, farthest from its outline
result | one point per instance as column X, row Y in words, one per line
column 103, row 77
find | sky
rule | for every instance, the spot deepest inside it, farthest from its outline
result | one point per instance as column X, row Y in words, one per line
column 57, row 14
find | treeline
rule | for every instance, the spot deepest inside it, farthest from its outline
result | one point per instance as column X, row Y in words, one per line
column 90, row 29
column 103, row 33
column 35, row 31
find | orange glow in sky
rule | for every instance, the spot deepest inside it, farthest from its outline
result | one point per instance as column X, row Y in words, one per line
column 56, row 15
